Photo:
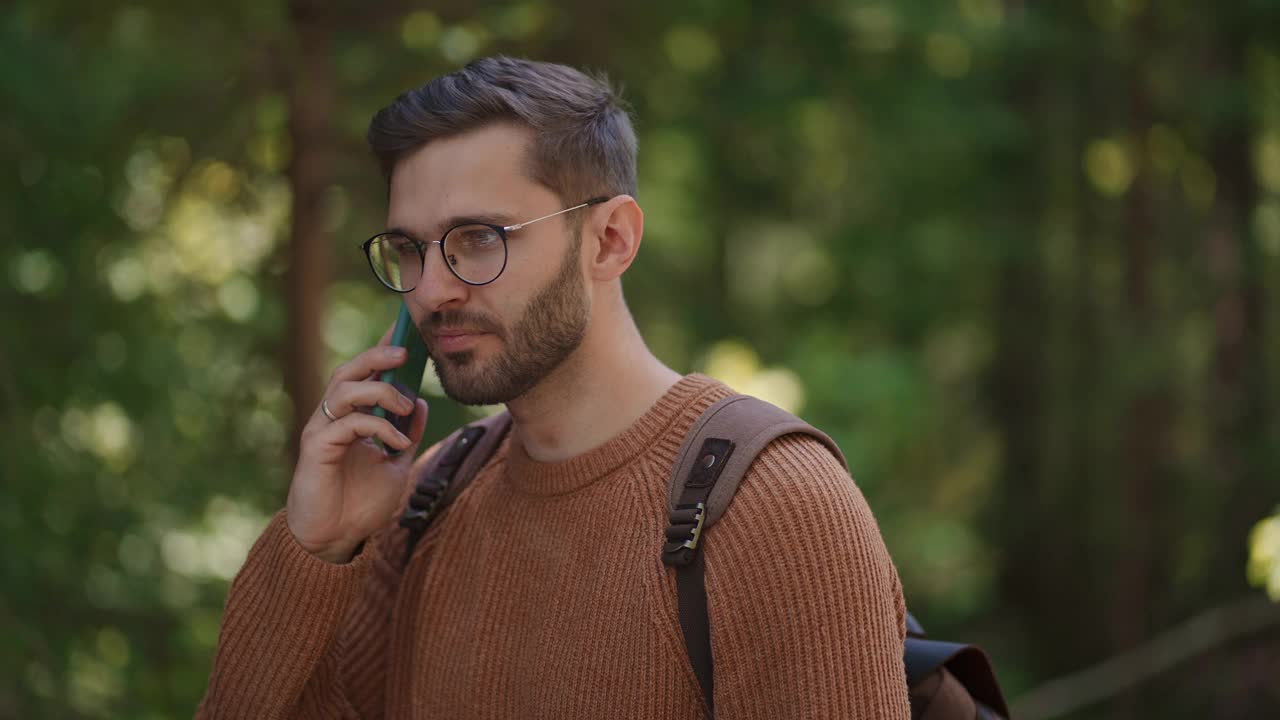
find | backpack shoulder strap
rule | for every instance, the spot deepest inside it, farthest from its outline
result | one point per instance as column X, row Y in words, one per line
column 449, row 471
column 947, row 680
column 749, row 424
column 715, row 456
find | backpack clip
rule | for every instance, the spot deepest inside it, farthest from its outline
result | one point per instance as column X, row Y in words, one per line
column 431, row 490
column 423, row 502
column 684, row 533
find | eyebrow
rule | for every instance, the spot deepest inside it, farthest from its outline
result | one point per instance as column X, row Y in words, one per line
column 449, row 223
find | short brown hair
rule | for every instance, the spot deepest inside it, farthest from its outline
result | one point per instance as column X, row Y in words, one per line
column 584, row 144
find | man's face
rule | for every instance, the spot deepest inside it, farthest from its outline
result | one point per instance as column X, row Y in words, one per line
column 490, row 344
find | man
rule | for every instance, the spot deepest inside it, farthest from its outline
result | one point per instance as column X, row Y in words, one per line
column 540, row 592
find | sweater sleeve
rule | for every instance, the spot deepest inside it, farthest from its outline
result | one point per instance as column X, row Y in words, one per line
column 806, row 609
column 279, row 629
column 304, row 638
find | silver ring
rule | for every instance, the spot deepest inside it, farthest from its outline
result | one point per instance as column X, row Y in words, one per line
column 324, row 408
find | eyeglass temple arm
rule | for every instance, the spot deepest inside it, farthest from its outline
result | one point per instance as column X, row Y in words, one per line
column 592, row 201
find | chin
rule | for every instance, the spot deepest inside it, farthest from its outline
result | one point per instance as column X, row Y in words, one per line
column 469, row 395
column 463, row 380
column 465, row 358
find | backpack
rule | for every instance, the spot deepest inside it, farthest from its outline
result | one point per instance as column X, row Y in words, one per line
column 945, row 680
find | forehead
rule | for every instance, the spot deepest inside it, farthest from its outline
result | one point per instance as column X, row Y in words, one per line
column 479, row 171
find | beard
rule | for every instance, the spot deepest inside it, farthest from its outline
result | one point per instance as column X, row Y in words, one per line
column 552, row 326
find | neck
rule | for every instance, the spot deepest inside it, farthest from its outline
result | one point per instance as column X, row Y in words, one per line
column 598, row 392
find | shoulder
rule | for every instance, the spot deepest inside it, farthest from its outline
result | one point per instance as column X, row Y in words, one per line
column 795, row 473
column 806, row 604
column 798, row 506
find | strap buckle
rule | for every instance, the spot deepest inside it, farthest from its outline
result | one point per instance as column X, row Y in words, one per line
column 431, row 490
column 423, row 503
column 684, row 534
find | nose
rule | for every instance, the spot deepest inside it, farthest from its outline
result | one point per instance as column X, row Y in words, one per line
column 438, row 288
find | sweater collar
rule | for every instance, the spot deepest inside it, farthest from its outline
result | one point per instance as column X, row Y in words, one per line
column 648, row 432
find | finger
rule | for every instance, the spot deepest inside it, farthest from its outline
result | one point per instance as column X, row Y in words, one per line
column 417, row 429
column 350, row 397
column 369, row 362
column 419, row 425
column 358, row 426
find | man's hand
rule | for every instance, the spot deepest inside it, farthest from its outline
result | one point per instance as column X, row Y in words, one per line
column 345, row 487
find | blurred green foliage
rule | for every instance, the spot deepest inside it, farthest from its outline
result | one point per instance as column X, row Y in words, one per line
column 1016, row 258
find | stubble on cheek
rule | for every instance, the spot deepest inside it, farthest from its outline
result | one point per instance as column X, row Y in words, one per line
column 551, row 326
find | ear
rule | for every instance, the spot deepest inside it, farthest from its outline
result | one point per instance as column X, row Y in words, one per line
column 614, row 237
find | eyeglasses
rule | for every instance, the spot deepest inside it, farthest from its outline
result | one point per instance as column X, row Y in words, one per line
column 476, row 253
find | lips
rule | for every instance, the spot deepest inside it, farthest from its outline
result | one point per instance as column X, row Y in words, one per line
column 454, row 332
column 453, row 340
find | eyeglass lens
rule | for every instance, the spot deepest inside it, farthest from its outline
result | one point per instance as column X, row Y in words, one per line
column 475, row 253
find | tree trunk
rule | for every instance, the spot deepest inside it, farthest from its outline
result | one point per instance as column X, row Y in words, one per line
column 1238, row 391
column 1147, row 418
column 311, row 104
column 1013, row 385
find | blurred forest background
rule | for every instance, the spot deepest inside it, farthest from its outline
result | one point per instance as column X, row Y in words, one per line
column 1021, row 259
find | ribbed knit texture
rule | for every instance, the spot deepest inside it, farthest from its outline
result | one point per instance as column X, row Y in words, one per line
column 540, row 593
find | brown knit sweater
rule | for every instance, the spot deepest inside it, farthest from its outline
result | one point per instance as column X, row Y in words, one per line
column 540, row 593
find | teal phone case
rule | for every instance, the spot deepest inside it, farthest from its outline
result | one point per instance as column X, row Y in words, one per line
column 408, row 377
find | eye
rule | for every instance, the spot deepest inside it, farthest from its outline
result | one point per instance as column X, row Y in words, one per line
column 474, row 239
column 390, row 242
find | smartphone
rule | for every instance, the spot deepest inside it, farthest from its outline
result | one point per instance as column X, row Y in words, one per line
column 408, row 377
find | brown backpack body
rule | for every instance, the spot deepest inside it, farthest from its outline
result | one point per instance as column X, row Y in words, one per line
column 946, row 681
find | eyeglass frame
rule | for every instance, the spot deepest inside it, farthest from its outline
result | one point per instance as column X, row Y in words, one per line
column 502, row 231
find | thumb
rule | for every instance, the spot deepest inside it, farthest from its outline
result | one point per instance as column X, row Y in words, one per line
column 417, row 428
